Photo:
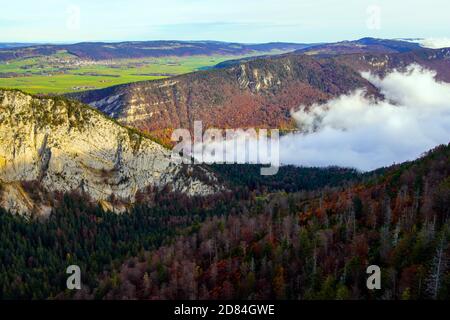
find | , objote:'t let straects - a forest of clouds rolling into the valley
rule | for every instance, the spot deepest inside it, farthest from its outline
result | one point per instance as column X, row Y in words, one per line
column 362, row 132
column 356, row 131
column 96, row 204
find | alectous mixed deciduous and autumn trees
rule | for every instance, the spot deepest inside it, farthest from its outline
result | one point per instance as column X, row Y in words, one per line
column 256, row 242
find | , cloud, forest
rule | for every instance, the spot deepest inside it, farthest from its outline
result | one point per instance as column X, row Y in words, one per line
column 366, row 133
column 224, row 158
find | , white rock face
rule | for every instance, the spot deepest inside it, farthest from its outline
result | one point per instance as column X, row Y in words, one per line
column 66, row 146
